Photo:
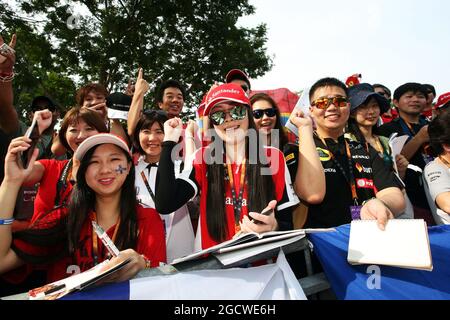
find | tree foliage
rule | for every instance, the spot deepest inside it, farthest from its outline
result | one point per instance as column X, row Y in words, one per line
column 193, row 41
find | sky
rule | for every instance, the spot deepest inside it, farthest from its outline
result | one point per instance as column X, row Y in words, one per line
column 387, row 41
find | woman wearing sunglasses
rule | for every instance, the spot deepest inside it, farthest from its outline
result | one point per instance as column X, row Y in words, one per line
column 236, row 175
column 268, row 119
column 147, row 138
column 104, row 193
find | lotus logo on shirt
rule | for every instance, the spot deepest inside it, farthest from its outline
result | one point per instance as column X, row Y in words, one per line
column 324, row 154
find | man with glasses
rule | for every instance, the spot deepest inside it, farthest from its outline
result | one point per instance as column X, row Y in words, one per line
column 240, row 78
column 358, row 184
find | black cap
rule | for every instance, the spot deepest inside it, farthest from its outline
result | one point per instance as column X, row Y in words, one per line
column 118, row 105
column 42, row 102
column 360, row 93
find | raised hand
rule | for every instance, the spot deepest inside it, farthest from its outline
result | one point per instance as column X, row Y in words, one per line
column 172, row 129
column 7, row 65
column 141, row 86
column 300, row 120
column 44, row 119
column 14, row 171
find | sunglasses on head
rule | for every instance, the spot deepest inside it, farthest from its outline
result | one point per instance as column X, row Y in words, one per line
column 238, row 112
column 258, row 114
column 324, row 103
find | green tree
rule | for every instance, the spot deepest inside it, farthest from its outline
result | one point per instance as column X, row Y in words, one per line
column 193, row 41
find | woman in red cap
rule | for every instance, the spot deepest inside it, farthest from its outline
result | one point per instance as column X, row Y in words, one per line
column 236, row 176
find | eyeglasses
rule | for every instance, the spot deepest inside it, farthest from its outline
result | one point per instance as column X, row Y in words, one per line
column 238, row 112
column 151, row 113
column 244, row 87
column 258, row 114
column 324, row 103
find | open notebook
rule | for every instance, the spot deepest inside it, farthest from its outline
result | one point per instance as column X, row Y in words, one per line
column 404, row 243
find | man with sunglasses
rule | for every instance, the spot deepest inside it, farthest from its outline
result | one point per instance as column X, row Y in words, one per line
column 358, row 185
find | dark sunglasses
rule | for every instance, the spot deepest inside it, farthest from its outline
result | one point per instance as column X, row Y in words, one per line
column 238, row 112
column 151, row 113
column 258, row 114
column 324, row 103
column 244, row 87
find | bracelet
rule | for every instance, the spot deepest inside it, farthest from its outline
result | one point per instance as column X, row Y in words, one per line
column 7, row 77
column 6, row 221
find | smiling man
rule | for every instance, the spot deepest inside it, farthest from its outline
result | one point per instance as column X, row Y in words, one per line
column 170, row 98
column 410, row 100
column 358, row 184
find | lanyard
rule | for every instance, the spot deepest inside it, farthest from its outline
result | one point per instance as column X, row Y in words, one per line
column 61, row 186
column 95, row 238
column 148, row 186
column 237, row 201
column 444, row 161
column 350, row 179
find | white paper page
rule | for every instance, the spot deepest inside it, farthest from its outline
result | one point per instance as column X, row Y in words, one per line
column 404, row 243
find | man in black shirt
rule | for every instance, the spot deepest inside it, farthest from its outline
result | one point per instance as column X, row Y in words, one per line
column 358, row 185
column 410, row 100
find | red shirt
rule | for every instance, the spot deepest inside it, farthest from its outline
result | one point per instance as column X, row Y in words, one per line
column 151, row 243
column 284, row 192
column 46, row 195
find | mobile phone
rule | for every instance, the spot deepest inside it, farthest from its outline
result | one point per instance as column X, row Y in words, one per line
column 33, row 134
column 4, row 49
column 266, row 213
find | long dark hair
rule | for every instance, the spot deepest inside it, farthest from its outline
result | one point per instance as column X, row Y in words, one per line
column 278, row 126
column 83, row 202
column 260, row 187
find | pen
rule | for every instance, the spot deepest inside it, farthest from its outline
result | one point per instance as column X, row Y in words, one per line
column 266, row 213
column 107, row 242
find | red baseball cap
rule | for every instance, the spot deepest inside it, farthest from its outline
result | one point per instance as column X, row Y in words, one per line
column 225, row 92
column 236, row 74
column 442, row 100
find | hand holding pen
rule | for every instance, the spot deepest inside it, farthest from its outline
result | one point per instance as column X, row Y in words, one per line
column 265, row 222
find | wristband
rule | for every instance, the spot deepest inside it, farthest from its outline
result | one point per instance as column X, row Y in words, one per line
column 6, row 221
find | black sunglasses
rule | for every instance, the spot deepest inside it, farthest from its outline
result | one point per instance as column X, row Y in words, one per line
column 244, row 87
column 258, row 114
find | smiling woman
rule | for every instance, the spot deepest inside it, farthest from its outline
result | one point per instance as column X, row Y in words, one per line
column 236, row 176
column 105, row 193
